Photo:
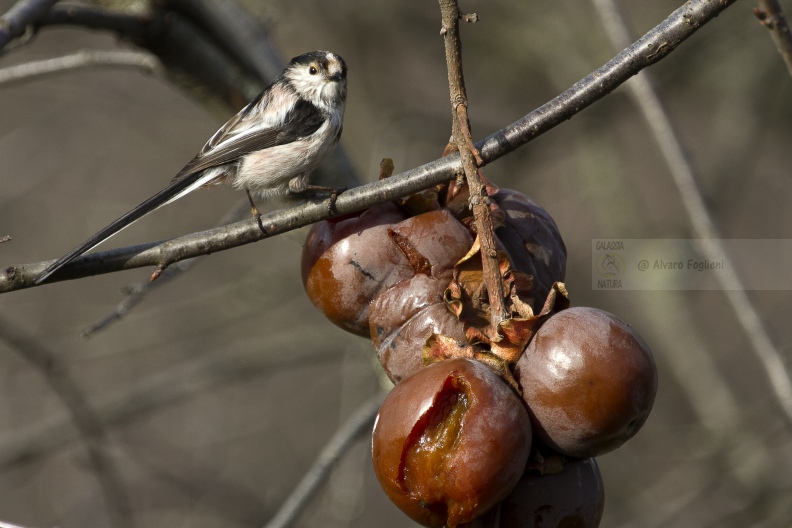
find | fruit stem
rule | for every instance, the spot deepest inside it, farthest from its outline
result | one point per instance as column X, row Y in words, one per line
column 471, row 161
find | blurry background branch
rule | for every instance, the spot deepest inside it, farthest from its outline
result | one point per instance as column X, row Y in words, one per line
column 91, row 431
column 81, row 59
column 219, row 395
column 358, row 424
column 20, row 18
column 652, row 47
column 772, row 17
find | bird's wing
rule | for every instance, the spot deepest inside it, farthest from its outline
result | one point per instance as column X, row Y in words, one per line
column 239, row 137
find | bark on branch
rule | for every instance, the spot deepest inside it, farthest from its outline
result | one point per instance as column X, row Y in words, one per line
column 471, row 160
column 772, row 17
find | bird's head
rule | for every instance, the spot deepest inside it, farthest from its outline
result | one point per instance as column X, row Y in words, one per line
column 319, row 77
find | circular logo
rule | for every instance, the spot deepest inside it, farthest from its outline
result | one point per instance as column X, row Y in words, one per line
column 610, row 265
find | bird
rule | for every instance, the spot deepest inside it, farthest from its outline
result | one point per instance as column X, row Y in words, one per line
column 268, row 149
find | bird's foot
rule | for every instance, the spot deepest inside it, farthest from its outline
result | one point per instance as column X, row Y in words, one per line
column 313, row 190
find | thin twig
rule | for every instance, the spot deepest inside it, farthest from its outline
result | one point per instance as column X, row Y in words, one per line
column 460, row 128
column 81, row 59
column 648, row 50
column 772, row 17
column 90, row 427
column 358, row 423
column 645, row 97
column 21, row 16
column 137, row 292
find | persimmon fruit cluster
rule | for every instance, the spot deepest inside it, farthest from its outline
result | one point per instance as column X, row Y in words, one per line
column 486, row 426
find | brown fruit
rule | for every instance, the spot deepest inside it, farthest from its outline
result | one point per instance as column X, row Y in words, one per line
column 533, row 241
column 528, row 233
column 589, row 381
column 450, row 442
column 347, row 260
column 402, row 316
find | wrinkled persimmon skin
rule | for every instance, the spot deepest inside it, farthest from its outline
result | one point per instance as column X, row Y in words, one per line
column 533, row 241
column 404, row 315
column 589, row 381
column 573, row 498
column 529, row 235
column 450, row 442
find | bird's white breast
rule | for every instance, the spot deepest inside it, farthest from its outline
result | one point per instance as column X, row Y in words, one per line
column 267, row 172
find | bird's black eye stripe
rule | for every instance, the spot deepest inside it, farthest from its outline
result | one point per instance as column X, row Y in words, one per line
column 312, row 70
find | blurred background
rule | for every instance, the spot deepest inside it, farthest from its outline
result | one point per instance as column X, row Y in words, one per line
column 217, row 392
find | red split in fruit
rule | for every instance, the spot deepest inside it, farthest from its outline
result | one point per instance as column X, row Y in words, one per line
column 450, row 442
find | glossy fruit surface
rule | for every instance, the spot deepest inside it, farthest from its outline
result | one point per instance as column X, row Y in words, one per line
column 347, row 260
column 450, row 442
column 589, row 381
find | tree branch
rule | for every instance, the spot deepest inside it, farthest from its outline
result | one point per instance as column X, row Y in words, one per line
column 772, row 17
column 460, row 130
column 651, row 48
column 132, row 26
column 21, row 16
column 177, row 41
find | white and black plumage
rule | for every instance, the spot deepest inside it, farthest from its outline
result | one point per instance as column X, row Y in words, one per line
column 268, row 149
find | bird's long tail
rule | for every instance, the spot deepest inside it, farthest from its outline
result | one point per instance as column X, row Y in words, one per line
column 176, row 189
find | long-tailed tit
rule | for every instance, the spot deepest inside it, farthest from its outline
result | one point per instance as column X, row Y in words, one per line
column 268, row 148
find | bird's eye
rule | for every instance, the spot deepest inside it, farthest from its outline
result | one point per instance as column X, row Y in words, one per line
column 312, row 70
